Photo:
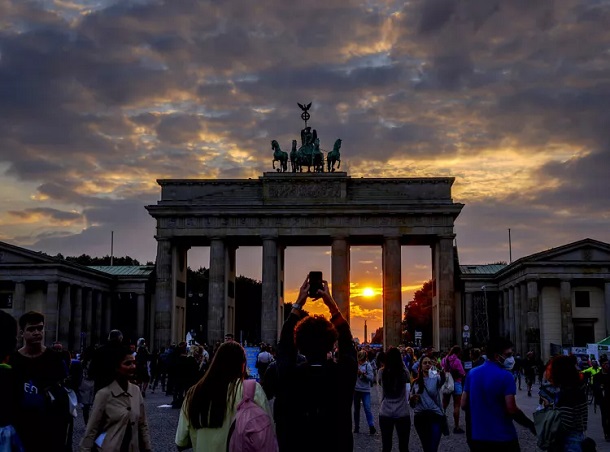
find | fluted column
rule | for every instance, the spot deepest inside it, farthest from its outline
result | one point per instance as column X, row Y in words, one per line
column 88, row 315
column 65, row 312
column 229, row 326
column 163, row 293
column 511, row 317
column 51, row 312
column 340, row 277
column 217, row 290
column 444, row 300
column 98, row 321
column 607, row 306
column 565, row 300
column 270, row 307
column 500, row 313
column 392, row 296
column 141, row 314
column 108, row 298
column 533, row 318
column 19, row 299
column 77, row 319
column 525, row 322
column 519, row 327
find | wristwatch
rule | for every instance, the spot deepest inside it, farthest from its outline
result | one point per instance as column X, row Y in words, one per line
column 297, row 306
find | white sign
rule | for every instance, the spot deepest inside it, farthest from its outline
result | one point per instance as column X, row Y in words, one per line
column 418, row 335
column 466, row 328
column 466, row 334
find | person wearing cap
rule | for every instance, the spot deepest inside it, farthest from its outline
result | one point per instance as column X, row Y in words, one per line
column 601, row 392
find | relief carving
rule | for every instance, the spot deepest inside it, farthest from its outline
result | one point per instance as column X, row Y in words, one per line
column 305, row 190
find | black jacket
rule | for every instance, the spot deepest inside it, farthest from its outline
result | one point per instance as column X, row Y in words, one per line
column 313, row 406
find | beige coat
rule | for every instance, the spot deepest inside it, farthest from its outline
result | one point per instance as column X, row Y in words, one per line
column 113, row 409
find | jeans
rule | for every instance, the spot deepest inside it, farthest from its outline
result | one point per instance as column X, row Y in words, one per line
column 403, row 430
column 365, row 397
column 428, row 428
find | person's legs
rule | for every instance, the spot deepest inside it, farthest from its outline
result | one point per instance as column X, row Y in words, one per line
column 605, row 412
column 435, row 435
column 422, row 426
column 386, row 426
column 403, row 429
column 357, row 399
column 457, row 401
column 366, row 403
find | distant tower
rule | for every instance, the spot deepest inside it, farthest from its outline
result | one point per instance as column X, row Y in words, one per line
column 366, row 335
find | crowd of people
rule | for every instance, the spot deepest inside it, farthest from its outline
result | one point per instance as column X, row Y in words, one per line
column 313, row 386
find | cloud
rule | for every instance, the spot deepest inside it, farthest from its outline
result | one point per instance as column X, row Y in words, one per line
column 100, row 99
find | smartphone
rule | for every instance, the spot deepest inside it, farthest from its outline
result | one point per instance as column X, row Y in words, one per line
column 315, row 284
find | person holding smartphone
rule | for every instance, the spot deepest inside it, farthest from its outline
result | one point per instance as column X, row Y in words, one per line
column 313, row 406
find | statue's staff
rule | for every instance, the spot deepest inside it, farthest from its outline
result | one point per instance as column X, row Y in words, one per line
column 305, row 115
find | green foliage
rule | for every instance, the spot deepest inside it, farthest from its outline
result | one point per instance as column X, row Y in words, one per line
column 418, row 313
column 85, row 259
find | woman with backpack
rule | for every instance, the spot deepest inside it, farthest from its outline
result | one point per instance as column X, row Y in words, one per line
column 210, row 405
column 452, row 363
column 394, row 411
column 566, row 393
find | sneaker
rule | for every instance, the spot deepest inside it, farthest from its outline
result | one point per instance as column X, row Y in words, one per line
column 372, row 430
column 458, row 430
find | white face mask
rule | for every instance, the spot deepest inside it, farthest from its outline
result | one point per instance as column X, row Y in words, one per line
column 509, row 363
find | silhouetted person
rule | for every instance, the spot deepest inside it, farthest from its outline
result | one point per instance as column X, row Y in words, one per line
column 101, row 369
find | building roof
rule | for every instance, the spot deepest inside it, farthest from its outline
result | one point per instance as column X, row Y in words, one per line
column 125, row 270
column 485, row 269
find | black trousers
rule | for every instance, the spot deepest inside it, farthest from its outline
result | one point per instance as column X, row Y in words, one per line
column 403, row 430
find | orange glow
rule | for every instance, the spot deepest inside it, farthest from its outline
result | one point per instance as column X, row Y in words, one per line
column 368, row 292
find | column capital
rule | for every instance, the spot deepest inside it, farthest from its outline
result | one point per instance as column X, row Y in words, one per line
column 273, row 237
column 162, row 239
column 339, row 237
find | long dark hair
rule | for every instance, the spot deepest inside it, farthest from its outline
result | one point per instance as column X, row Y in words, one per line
column 419, row 380
column 394, row 376
column 206, row 402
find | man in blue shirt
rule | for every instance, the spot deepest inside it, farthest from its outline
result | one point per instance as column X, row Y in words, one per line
column 489, row 402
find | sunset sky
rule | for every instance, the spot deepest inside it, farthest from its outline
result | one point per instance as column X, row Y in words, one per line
column 100, row 98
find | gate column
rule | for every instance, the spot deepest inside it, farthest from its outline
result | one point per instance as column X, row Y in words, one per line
column 340, row 277
column 392, row 296
column 443, row 303
column 163, row 295
column 271, row 299
column 217, row 290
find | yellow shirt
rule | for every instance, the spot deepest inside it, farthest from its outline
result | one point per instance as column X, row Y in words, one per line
column 215, row 439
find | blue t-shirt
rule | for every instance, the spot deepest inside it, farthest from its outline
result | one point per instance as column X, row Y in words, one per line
column 487, row 386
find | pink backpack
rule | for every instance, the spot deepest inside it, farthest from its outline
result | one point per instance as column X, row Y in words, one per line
column 252, row 428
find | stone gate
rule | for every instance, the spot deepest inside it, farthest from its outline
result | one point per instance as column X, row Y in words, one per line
column 301, row 209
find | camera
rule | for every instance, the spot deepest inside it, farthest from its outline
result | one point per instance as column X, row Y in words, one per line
column 315, row 284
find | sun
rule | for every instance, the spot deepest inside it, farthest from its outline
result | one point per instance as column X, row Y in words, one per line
column 368, row 292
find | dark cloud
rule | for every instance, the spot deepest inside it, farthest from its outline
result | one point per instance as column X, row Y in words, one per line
column 52, row 214
column 95, row 108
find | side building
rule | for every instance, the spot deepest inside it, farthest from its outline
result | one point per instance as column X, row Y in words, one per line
column 81, row 304
column 545, row 302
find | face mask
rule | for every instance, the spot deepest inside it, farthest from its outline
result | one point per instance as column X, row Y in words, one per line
column 509, row 363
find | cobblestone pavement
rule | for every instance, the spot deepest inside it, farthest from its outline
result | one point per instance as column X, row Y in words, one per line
column 163, row 421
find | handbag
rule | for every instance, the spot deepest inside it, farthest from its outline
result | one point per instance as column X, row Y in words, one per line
column 548, row 427
column 449, row 384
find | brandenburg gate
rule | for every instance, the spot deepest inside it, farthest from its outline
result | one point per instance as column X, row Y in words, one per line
column 301, row 209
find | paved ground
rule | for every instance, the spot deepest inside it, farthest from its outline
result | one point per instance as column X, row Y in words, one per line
column 163, row 421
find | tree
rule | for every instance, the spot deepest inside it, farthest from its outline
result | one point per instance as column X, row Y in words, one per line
column 418, row 313
column 85, row 259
